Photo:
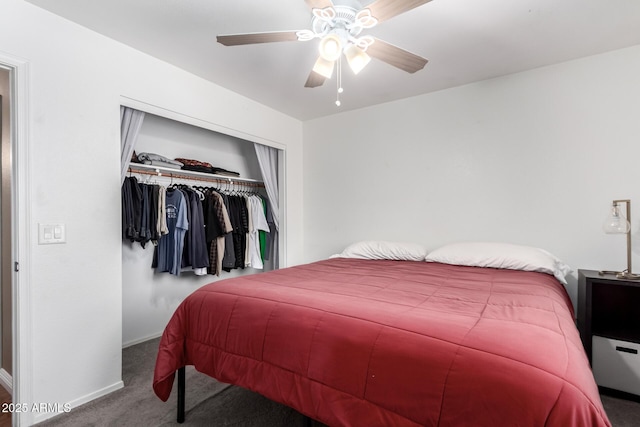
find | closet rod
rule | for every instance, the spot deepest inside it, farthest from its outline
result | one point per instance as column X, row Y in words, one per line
column 192, row 175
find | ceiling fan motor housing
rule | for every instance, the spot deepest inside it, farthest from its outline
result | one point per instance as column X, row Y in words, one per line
column 343, row 23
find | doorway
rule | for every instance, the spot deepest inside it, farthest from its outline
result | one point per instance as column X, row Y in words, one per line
column 6, row 322
column 5, row 247
column 5, row 230
column 15, row 325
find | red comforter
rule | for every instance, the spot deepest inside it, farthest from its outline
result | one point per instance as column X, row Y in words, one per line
column 391, row 343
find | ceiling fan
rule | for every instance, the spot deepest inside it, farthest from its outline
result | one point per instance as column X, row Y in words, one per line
column 338, row 26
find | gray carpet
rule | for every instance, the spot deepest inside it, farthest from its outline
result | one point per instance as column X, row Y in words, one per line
column 210, row 403
column 621, row 412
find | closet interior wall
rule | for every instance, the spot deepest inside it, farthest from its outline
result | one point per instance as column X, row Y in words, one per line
column 149, row 298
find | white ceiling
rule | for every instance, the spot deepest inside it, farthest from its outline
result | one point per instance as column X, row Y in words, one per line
column 464, row 40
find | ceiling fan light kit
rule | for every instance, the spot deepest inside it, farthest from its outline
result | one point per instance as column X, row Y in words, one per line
column 323, row 67
column 331, row 47
column 356, row 57
column 338, row 26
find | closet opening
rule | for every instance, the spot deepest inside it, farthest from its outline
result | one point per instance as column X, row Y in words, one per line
column 150, row 291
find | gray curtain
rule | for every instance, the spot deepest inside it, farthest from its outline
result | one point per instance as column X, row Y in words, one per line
column 268, row 160
column 130, row 123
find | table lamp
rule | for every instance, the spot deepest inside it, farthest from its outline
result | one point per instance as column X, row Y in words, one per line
column 616, row 223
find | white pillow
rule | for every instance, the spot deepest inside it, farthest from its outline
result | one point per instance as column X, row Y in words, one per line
column 501, row 255
column 379, row 249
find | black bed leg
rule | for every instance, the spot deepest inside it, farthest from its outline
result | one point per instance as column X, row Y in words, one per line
column 181, row 395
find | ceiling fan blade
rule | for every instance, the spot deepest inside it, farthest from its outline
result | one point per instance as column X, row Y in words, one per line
column 314, row 80
column 253, row 38
column 387, row 9
column 318, row 4
column 396, row 56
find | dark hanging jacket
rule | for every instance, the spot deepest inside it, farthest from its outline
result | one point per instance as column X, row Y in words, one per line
column 131, row 208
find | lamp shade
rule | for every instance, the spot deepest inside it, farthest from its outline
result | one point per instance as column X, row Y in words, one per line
column 616, row 223
column 356, row 57
column 323, row 67
column 330, row 47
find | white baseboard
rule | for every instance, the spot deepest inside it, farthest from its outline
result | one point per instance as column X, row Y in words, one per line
column 41, row 416
column 6, row 381
column 141, row 340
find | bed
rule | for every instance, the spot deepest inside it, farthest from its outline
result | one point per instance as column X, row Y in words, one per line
column 355, row 341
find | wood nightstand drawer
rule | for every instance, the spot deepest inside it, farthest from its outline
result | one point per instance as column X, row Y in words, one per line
column 616, row 364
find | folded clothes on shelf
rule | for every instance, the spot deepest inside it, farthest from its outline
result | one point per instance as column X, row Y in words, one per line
column 158, row 160
column 163, row 164
column 200, row 166
column 220, row 171
column 195, row 165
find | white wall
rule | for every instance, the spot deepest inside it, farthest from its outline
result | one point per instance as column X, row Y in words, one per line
column 173, row 139
column 149, row 299
column 533, row 158
column 77, row 80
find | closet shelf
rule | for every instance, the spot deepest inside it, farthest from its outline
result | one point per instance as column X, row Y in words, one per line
column 193, row 175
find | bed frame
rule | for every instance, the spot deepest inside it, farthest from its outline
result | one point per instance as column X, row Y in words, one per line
column 306, row 421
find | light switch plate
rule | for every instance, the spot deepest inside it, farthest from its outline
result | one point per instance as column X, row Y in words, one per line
column 51, row 234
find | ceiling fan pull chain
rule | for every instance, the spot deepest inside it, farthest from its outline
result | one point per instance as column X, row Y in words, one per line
column 339, row 81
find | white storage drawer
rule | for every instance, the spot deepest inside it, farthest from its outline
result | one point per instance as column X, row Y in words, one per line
column 616, row 364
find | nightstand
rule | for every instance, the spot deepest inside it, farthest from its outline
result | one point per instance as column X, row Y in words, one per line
column 609, row 325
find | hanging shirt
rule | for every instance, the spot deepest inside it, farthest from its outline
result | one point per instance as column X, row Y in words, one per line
column 131, row 208
column 218, row 245
column 239, row 221
column 154, row 200
column 264, row 235
column 194, row 254
column 162, row 214
column 186, row 244
column 247, row 255
column 215, row 227
column 169, row 249
column 199, row 253
column 229, row 257
column 258, row 222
